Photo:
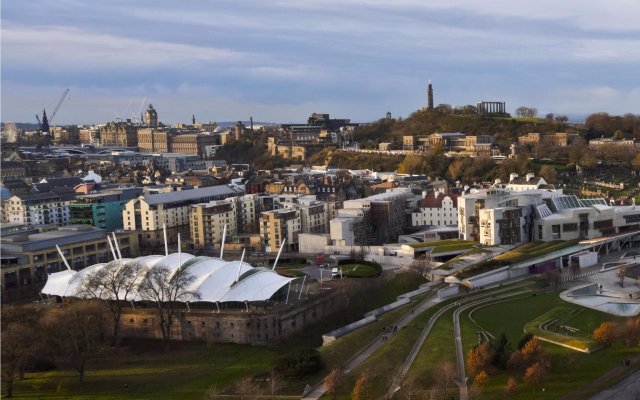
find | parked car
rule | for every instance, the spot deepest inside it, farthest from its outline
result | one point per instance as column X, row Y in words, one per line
column 334, row 272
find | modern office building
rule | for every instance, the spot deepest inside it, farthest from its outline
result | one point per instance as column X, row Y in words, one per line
column 102, row 210
column 28, row 257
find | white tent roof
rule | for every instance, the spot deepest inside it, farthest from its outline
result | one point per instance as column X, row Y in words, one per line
column 215, row 280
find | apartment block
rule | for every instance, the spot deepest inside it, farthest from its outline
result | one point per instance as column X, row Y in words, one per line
column 278, row 225
column 38, row 209
column 147, row 213
column 207, row 220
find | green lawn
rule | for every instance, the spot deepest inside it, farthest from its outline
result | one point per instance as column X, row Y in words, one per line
column 571, row 369
column 534, row 249
column 359, row 270
column 580, row 339
column 193, row 368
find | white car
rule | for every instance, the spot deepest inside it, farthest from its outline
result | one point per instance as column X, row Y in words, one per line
column 334, row 272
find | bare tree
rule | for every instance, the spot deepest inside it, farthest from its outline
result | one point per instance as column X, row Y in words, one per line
column 246, row 388
column 422, row 266
column 213, row 393
column 622, row 273
column 523, row 111
column 165, row 288
column 445, row 374
column 275, row 385
column 76, row 333
column 114, row 283
column 16, row 346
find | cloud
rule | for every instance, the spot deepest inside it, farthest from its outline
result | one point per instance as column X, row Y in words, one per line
column 79, row 49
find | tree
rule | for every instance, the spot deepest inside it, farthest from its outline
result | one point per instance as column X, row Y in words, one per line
column 549, row 174
column 481, row 379
column 246, row 388
column 528, row 112
column 562, row 118
column 445, row 373
column 551, row 278
column 362, row 389
column 535, row 374
column 533, row 351
column 299, row 363
column 512, row 386
column 333, row 382
column 21, row 342
column 114, row 283
column 524, row 339
column 479, row 358
column 76, row 332
column 213, row 393
column 275, row 385
column 605, row 334
column 422, row 266
column 501, row 350
column 165, row 288
column 630, row 332
column 622, row 273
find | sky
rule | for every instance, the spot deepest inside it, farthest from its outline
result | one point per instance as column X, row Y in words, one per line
column 281, row 60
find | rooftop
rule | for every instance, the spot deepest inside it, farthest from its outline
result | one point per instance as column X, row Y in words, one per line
column 193, row 194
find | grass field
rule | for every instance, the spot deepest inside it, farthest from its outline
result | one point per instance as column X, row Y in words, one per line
column 359, row 271
column 192, row 370
column 571, row 369
column 443, row 246
column 580, row 339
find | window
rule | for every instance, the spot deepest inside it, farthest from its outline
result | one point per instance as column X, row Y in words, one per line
column 569, row 227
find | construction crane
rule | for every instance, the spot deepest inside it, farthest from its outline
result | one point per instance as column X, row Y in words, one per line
column 55, row 110
column 39, row 123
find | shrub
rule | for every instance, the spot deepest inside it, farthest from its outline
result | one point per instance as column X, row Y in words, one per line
column 299, row 363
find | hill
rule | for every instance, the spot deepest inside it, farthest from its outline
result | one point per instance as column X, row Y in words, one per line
column 425, row 122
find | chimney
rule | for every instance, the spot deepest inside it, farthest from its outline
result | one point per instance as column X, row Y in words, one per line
column 512, row 176
column 530, row 176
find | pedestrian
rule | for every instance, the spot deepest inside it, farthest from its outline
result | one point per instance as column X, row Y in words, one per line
column 412, row 311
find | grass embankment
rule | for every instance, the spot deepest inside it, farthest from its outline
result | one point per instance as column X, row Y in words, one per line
column 359, row 270
column 570, row 369
column 449, row 264
column 544, row 327
column 443, row 246
column 519, row 254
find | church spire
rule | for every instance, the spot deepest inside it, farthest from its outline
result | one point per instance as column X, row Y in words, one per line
column 45, row 122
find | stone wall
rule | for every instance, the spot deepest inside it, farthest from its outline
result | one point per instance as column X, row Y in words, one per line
column 259, row 326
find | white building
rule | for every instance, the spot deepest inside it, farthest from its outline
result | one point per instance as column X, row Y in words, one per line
column 528, row 182
column 38, row 209
column 499, row 216
column 569, row 218
column 438, row 209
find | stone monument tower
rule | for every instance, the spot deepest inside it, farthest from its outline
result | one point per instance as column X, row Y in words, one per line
column 430, row 97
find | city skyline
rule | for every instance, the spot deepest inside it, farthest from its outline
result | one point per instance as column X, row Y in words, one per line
column 280, row 62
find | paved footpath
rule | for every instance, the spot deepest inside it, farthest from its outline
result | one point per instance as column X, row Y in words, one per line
column 318, row 390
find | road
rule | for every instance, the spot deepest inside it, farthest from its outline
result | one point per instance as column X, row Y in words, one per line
column 626, row 389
